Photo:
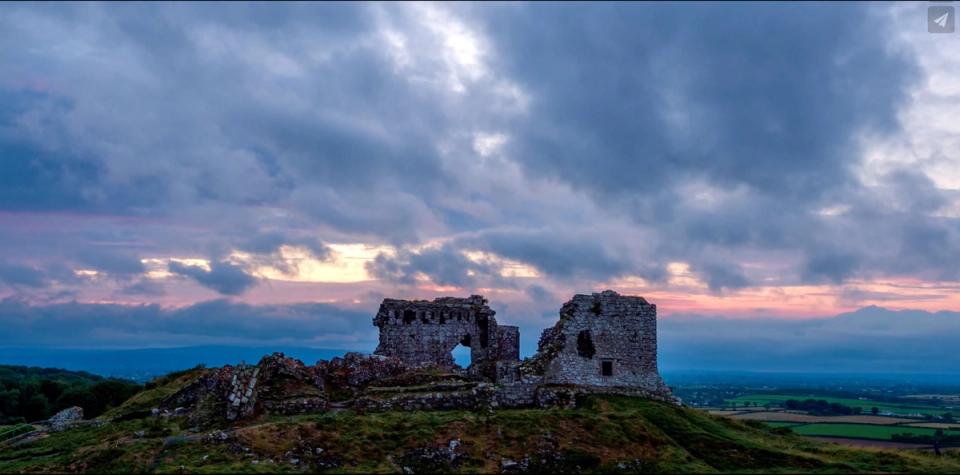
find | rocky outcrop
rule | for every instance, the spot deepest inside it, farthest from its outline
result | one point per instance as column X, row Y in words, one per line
column 276, row 385
column 66, row 419
column 356, row 370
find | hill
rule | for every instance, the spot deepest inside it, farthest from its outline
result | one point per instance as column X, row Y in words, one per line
column 147, row 363
column 30, row 394
column 603, row 434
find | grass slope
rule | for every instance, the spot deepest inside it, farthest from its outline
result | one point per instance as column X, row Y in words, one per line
column 859, row 431
column 596, row 437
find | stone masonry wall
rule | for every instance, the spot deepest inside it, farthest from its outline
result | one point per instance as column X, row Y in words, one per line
column 424, row 333
column 604, row 329
column 508, row 343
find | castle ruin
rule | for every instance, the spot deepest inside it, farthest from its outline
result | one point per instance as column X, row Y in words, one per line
column 605, row 340
column 602, row 343
column 602, row 340
column 424, row 333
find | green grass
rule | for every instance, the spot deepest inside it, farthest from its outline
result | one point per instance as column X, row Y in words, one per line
column 600, row 434
column 859, row 431
column 781, row 423
column 9, row 432
column 778, row 399
column 159, row 389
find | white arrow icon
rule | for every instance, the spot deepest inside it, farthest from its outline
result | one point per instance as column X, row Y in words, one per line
column 941, row 21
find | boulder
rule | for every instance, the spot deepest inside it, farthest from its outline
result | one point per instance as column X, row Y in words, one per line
column 66, row 418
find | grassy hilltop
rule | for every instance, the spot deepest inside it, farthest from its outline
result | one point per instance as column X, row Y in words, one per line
column 604, row 434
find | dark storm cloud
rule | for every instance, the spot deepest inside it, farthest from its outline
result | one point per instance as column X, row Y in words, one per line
column 250, row 127
column 559, row 255
column 761, row 103
column 270, row 242
column 223, row 277
column 764, row 95
column 224, row 95
column 444, row 266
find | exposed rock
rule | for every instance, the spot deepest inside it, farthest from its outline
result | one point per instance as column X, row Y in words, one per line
column 433, row 460
column 216, row 437
column 356, row 370
column 66, row 418
column 277, row 384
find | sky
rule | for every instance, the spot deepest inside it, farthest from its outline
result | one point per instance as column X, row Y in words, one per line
column 189, row 173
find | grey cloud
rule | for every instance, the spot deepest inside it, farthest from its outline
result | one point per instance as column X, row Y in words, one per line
column 558, row 254
column 119, row 263
column 21, row 276
column 444, row 266
column 724, row 276
column 829, row 266
column 767, row 96
column 270, row 242
column 144, row 287
column 539, row 294
column 18, row 275
column 223, row 277
column 249, row 127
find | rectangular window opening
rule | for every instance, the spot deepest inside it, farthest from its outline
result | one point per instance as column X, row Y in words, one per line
column 606, row 368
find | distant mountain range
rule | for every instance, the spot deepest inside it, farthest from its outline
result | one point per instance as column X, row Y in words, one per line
column 871, row 340
column 144, row 364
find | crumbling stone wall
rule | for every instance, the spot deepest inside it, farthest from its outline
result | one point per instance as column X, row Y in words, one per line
column 242, row 396
column 424, row 333
column 277, row 385
column 604, row 343
column 603, row 340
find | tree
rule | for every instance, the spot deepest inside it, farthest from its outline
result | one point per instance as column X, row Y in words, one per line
column 874, row 410
column 36, row 408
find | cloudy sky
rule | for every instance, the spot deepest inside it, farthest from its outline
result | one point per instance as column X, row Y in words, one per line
column 198, row 173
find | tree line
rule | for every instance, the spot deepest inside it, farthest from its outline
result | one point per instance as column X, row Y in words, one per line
column 821, row 407
column 30, row 394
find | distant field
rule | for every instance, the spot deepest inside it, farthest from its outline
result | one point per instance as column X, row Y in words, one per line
column 936, row 425
column 950, row 398
column 781, row 424
column 806, row 418
column 858, row 431
column 865, row 405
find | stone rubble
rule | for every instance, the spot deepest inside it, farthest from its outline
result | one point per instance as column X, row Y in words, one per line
column 66, row 419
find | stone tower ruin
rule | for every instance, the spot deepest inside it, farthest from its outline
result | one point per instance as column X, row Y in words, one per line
column 603, row 340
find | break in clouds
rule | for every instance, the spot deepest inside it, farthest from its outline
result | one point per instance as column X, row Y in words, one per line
column 176, row 153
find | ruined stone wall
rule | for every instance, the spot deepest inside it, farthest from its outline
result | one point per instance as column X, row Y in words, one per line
column 508, row 342
column 605, row 340
column 424, row 333
column 242, row 398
